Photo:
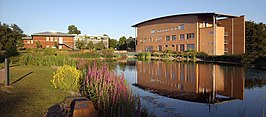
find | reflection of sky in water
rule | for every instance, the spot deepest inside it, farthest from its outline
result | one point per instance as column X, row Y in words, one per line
column 252, row 105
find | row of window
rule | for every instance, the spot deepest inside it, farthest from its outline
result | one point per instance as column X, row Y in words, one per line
column 30, row 41
column 168, row 38
column 180, row 27
column 53, row 38
column 182, row 47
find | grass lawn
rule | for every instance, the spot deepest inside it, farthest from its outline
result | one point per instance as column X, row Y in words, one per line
column 30, row 93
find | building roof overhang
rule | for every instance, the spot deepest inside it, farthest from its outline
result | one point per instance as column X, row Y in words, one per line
column 197, row 14
column 53, row 33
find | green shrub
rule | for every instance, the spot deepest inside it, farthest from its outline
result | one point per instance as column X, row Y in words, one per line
column 141, row 56
column 201, row 55
column 49, row 51
column 67, row 78
column 86, row 55
column 48, row 60
column 168, row 51
column 147, row 55
column 108, row 53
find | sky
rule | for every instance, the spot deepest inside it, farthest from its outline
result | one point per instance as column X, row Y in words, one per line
column 114, row 17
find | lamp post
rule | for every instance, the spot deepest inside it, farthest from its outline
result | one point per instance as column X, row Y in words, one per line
column 7, row 70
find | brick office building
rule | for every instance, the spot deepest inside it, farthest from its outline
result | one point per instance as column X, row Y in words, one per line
column 213, row 33
column 50, row 40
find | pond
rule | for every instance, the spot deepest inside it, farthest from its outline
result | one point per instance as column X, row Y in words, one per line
column 196, row 89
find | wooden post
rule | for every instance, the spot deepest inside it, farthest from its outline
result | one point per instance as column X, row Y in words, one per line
column 7, row 71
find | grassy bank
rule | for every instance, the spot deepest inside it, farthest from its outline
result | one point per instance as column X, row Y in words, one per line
column 30, row 93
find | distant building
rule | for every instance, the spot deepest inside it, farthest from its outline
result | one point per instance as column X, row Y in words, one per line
column 93, row 39
column 213, row 33
column 50, row 40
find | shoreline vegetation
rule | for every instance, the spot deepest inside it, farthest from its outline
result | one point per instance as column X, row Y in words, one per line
column 87, row 69
column 47, row 54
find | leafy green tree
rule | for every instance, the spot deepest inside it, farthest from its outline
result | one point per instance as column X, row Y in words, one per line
column 113, row 43
column 130, row 43
column 38, row 44
column 80, row 44
column 10, row 36
column 72, row 29
column 56, row 45
column 122, row 43
column 90, row 45
column 255, row 41
column 99, row 46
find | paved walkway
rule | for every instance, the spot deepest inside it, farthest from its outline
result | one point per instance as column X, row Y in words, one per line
column 2, row 75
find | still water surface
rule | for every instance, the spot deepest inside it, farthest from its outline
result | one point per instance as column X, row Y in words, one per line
column 197, row 89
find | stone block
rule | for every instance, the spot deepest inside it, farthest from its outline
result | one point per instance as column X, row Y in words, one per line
column 84, row 108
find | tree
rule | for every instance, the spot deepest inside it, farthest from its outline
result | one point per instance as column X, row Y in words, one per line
column 113, row 43
column 72, row 29
column 99, row 46
column 38, row 44
column 10, row 35
column 122, row 43
column 80, row 44
column 255, row 41
column 90, row 45
column 130, row 43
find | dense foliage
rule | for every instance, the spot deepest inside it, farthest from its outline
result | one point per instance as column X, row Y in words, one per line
column 113, row 43
column 67, row 78
column 72, row 29
column 10, row 39
column 255, row 41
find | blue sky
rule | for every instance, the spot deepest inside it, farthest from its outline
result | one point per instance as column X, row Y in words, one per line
column 114, row 17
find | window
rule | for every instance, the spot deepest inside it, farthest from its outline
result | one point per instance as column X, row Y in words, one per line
column 152, row 31
column 159, row 39
column 47, row 38
column 211, row 32
column 225, row 33
column 173, row 37
column 225, row 49
column 140, row 40
column 51, row 38
column 28, row 41
column 176, row 28
column 176, row 48
column 173, row 28
column 182, row 47
column 182, row 36
column 167, row 38
column 190, row 47
column 144, row 40
column 181, row 27
column 56, row 38
column 159, row 48
column 31, row 41
column 225, row 41
column 151, row 39
column 166, row 45
column 190, row 36
column 173, row 45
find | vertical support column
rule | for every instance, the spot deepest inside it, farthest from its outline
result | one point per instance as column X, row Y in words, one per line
column 214, row 35
column 232, row 35
column 197, row 36
column 135, row 39
column 213, row 83
column 7, row 71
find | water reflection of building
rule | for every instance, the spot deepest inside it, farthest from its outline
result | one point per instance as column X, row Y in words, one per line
column 191, row 81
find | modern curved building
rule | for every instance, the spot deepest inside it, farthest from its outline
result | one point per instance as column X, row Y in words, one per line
column 213, row 33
